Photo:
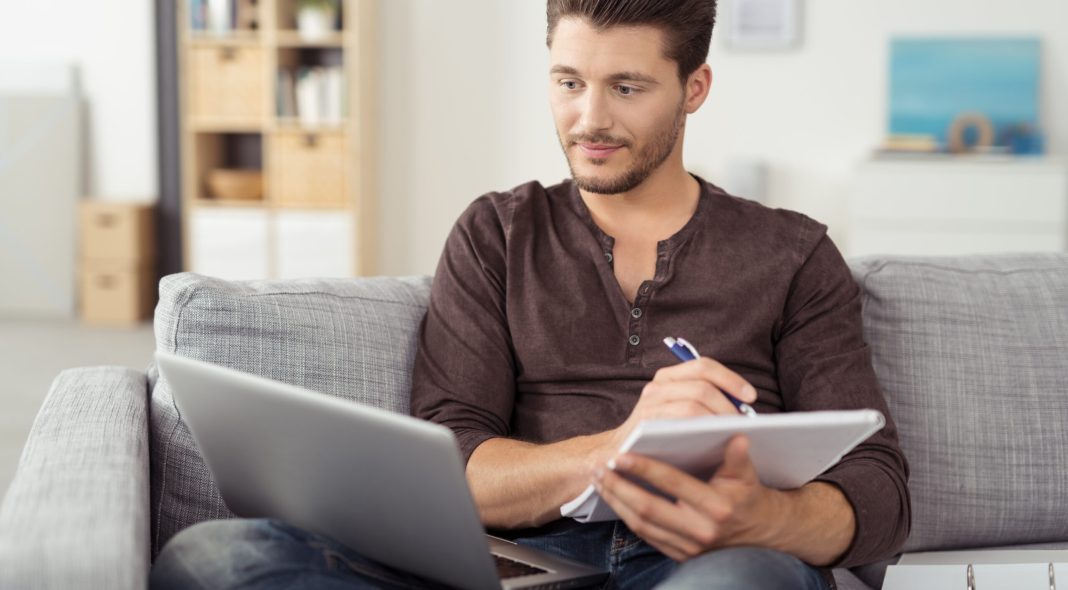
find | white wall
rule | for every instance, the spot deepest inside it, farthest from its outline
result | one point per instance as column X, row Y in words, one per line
column 111, row 42
column 464, row 107
column 464, row 111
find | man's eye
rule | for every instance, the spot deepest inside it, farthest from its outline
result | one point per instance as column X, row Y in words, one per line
column 569, row 84
column 626, row 90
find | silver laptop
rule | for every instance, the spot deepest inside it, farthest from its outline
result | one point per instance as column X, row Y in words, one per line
column 389, row 486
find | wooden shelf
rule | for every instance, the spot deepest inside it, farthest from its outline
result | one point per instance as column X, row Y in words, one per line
column 246, row 203
column 224, row 39
column 309, row 207
column 318, row 185
column 224, row 126
column 294, row 39
column 294, row 125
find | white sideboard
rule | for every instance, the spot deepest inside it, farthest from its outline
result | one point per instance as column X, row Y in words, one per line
column 935, row 206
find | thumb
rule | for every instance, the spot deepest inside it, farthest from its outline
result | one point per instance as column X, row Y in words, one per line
column 736, row 461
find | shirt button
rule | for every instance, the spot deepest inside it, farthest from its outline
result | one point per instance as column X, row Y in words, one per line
column 634, row 340
column 608, row 256
column 636, row 313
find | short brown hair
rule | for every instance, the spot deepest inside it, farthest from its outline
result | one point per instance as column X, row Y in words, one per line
column 687, row 24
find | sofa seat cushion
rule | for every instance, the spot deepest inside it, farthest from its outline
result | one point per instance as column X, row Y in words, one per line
column 972, row 354
column 351, row 338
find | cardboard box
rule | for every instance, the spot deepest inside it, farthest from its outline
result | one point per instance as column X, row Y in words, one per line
column 117, row 293
column 114, row 231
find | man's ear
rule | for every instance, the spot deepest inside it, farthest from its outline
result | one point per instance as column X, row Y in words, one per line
column 698, row 85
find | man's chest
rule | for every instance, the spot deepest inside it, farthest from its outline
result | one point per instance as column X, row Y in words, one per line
column 580, row 315
column 633, row 262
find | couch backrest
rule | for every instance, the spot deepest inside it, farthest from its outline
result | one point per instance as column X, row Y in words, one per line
column 350, row 338
column 972, row 354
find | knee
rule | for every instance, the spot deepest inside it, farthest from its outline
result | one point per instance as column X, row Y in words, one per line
column 743, row 567
column 208, row 554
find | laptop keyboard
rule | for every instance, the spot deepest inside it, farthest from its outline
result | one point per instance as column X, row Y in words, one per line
column 510, row 568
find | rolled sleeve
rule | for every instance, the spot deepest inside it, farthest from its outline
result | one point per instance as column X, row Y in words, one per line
column 824, row 364
column 464, row 373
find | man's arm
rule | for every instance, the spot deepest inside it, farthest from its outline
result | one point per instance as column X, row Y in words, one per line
column 823, row 363
column 816, row 523
column 518, row 484
column 856, row 512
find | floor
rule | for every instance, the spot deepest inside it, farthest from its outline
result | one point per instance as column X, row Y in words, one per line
column 33, row 352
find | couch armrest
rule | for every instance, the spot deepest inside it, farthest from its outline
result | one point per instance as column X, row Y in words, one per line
column 76, row 514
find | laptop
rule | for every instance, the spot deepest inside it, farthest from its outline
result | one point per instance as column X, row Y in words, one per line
column 389, row 486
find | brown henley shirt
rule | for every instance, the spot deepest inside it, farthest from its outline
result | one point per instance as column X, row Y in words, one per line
column 529, row 335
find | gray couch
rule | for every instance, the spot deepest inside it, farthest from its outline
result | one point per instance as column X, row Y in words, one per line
column 972, row 353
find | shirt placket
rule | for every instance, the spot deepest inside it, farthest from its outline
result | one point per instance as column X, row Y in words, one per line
column 636, row 322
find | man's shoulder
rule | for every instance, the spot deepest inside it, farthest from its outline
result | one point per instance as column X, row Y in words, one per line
column 500, row 208
column 784, row 228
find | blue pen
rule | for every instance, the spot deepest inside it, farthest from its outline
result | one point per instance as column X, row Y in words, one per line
column 686, row 352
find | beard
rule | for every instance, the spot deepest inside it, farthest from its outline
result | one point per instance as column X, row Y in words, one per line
column 647, row 160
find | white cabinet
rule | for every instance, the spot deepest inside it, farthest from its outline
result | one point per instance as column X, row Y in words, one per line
column 959, row 205
column 254, row 243
column 229, row 243
column 315, row 244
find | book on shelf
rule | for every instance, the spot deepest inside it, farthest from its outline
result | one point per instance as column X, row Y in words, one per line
column 312, row 95
column 222, row 16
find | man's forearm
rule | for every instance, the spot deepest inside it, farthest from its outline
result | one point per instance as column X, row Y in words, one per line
column 518, row 484
column 815, row 523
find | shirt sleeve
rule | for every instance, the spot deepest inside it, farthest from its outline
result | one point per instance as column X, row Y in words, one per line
column 464, row 373
column 824, row 364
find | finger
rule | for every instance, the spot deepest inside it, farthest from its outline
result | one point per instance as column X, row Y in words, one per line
column 699, row 392
column 646, row 526
column 677, row 483
column 676, row 409
column 712, row 371
column 736, row 461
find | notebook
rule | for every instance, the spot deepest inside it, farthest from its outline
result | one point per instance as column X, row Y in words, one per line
column 787, row 450
column 1007, row 569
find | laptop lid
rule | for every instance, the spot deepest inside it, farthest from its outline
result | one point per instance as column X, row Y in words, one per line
column 269, row 445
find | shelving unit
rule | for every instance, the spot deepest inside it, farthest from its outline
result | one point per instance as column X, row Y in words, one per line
column 954, row 205
column 316, row 213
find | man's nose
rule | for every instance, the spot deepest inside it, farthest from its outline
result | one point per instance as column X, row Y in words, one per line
column 595, row 113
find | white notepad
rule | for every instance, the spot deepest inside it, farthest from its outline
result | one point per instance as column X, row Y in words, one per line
column 787, row 450
column 1007, row 569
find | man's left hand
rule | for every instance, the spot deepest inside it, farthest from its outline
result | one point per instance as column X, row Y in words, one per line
column 733, row 508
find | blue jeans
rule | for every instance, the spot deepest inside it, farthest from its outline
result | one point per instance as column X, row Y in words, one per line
column 263, row 553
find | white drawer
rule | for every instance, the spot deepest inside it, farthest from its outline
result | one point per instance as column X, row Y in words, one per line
column 230, row 244
column 315, row 244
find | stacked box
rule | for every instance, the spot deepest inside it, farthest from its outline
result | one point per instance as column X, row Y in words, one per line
column 118, row 262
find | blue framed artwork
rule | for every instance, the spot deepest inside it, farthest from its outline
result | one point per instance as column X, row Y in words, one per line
column 935, row 80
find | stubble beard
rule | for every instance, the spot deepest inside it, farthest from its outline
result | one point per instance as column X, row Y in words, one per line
column 651, row 156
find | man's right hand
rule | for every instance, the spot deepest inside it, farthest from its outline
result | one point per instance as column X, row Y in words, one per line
column 686, row 390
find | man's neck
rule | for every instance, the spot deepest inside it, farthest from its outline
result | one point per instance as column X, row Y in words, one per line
column 657, row 208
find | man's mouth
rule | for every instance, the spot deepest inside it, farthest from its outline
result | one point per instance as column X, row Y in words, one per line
column 599, row 150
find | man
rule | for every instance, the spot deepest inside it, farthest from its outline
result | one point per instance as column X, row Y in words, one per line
column 542, row 345
column 542, row 350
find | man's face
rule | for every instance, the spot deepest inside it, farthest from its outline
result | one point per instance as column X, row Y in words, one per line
column 617, row 103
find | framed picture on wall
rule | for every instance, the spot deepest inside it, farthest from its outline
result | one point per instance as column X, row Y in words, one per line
column 764, row 24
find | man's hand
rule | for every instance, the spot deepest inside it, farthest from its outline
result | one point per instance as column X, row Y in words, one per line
column 686, row 390
column 733, row 508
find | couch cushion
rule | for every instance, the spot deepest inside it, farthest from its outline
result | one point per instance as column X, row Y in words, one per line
column 972, row 353
column 352, row 338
